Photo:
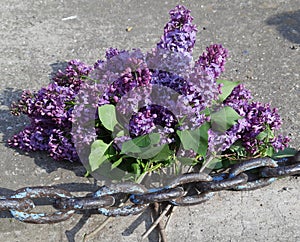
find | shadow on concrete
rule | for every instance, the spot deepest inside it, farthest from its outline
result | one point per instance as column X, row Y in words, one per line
column 147, row 218
column 60, row 65
column 287, row 24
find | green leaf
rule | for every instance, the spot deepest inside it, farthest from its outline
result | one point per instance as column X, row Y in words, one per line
column 287, row 152
column 120, row 133
column 215, row 164
column 107, row 116
column 269, row 151
column 186, row 161
column 164, row 154
column 143, row 146
column 262, row 135
column 196, row 139
column 238, row 148
column 97, row 155
column 227, row 88
column 150, row 152
column 224, row 119
column 136, row 169
column 116, row 163
column 87, row 174
column 130, row 147
column 206, row 112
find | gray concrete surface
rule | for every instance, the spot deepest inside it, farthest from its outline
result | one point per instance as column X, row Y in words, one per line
column 263, row 38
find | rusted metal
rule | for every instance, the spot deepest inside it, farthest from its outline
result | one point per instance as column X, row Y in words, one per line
column 23, row 204
column 185, row 190
column 123, row 211
column 161, row 195
column 281, row 171
column 223, row 184
column 41, row 192
column 42, row 218
column 125, row 187
column 189, row 178
column 256, row 184
column 193, row 199
column 83, row 203
column 250, row 165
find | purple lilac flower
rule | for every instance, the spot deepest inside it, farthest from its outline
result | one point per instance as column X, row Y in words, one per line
column 111, row 52
column 84, row 115
column 107, row 87
column 280, row 142
column 214, row 59
column 179, row 32
column 127, row 82
column 142, row 123
column 60, row 145
column 120, row 80
column 197, row 92
column 257, row 117
column 72, row 75
column 190, row 101
column 219, row 142
column 31, row 138
column 260, row 116
column 147, row 118
column 120, row 74
column 47, row 106
column 164, row 60
column 49, row 111
column 205, row 86
column 239, row 99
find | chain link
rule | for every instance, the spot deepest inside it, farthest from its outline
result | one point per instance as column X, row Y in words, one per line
column 125, row 199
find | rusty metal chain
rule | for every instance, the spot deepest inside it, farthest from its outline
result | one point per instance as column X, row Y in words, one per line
column 130, row 198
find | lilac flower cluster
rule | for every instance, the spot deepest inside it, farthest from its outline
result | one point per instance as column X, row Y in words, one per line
column 61, row 114
column 145, row 121
column 49, row 111
column 179, row 32
column 257, row 117
column 72, row 75
column 214, row 59
column 129, row 79
column 198, row 85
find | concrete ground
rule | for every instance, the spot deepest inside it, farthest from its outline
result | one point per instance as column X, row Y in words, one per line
column 263, row 38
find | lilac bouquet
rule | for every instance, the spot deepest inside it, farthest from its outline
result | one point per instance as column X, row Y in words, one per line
column 139, row 112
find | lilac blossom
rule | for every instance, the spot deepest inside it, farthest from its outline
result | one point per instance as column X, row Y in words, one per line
column 239, row 99
column 50, row 111
column 214, row 59
column 72, row 75
column 147, row 118
column 257, row 118
column 179, row 32
column 160, row 91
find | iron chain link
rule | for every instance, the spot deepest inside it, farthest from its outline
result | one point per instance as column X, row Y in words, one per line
column 125, row 199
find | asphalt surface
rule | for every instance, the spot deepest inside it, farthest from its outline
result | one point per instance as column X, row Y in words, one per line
column 263, row 38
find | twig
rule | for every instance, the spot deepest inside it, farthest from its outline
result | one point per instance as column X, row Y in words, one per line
column 156, row 222
column 160, row 227
column 172, row 209
column 95, row 231
column 205, row 164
